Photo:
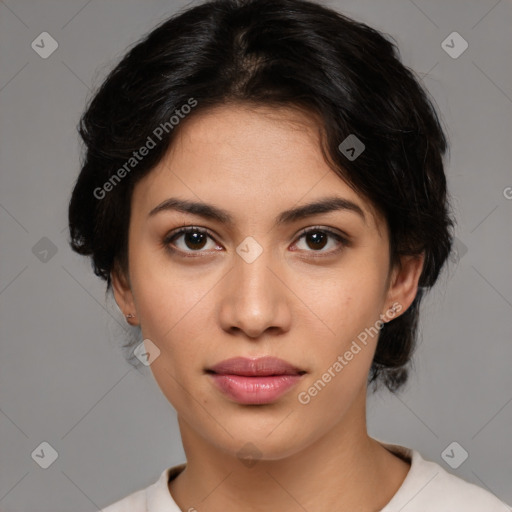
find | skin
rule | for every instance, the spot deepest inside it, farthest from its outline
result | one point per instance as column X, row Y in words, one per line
column 297, row 301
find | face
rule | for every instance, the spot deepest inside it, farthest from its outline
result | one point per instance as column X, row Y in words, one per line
column 252, row 281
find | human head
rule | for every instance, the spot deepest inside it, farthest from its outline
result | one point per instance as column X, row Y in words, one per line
column 277, row 54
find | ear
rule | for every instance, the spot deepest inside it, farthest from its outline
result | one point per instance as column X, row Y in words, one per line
column 404, row 282
column 123, row 294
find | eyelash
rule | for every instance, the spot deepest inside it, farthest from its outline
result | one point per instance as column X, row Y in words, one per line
column 192, row 229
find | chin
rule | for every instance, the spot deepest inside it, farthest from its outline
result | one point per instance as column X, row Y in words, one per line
column 269, row 440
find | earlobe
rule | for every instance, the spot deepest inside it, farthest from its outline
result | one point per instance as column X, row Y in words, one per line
column 404, row 283
column 123, row 294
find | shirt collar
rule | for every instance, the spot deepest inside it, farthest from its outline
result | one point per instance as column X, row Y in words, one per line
column 158, row 497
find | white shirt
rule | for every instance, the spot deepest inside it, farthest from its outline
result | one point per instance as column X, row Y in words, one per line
column 426, row 488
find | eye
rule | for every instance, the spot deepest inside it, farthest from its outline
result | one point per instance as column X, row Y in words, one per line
column 193, row 240
column 317, row 238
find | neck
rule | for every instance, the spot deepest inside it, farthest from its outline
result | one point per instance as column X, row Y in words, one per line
column 343, row 470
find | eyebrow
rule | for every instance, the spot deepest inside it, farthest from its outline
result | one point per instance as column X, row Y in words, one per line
column 211, row 212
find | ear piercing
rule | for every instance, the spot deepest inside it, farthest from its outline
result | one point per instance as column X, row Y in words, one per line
column 129, row 315
column 390, row 313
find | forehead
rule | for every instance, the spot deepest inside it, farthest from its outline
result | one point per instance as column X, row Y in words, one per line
column 244, row 140
column 240, row 156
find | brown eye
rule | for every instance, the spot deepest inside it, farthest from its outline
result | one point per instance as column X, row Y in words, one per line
column 192, row 240
column 316, row 239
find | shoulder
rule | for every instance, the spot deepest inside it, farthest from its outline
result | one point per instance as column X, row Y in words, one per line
column 428, row 487
column 135, row 502
column 154, row 498
column 449, row 492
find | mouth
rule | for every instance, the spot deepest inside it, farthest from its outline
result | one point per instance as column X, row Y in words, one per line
column 254, row 381
column 260, row 367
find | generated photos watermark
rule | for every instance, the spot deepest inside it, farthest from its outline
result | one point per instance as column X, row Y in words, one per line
column 143, row 151
column 304, row 397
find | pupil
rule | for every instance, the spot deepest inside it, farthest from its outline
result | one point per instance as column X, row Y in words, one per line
column 318, row 237
column 194, row 239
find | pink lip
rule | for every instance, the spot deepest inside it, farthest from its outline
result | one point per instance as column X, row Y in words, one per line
column 254, row 381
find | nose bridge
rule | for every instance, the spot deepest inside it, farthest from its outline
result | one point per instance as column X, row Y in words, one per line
column 256, row 298
column 254, row 275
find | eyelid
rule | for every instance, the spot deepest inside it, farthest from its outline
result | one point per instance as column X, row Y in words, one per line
column 186, row 229
column 180, row 231
column 340, row 236
column 336, row 232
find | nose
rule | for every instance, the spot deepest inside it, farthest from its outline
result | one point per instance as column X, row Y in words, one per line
column 255, row 298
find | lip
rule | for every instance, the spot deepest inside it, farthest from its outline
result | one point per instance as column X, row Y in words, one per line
column 254, row 381
column 257, row 367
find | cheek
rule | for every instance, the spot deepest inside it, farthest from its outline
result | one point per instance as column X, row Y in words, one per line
column 349, row 302
column 345, row 332
column 168, row 298
column 176, row 323
column 174, row 317
column 343, row 353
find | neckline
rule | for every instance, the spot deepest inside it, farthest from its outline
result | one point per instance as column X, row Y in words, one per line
column 408, row 455
column 173, row 472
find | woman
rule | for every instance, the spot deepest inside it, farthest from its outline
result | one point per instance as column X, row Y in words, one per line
column 263, row 192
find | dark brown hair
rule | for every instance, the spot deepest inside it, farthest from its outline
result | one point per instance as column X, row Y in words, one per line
column 280, row 53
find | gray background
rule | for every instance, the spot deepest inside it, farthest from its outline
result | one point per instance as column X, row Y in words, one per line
column 63, row 377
